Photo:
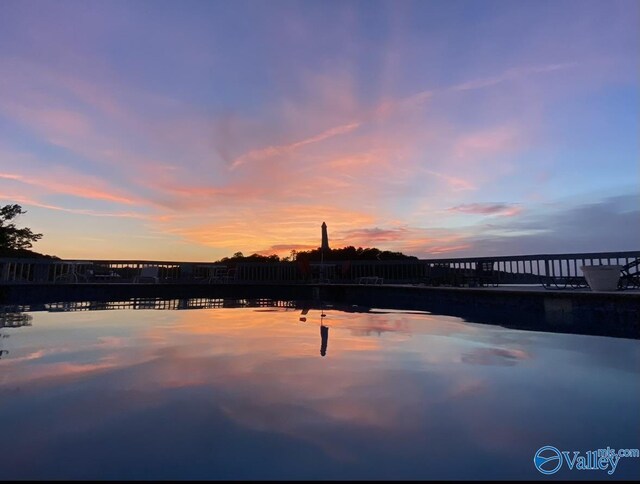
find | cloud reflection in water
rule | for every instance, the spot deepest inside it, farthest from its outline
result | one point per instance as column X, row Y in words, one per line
column 240, row 393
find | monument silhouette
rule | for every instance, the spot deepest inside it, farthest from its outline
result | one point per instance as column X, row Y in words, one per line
column 325, row 238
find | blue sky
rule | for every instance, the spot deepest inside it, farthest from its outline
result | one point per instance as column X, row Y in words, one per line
column 192, row 130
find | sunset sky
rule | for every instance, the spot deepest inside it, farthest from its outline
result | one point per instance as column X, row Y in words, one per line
column 189, row 130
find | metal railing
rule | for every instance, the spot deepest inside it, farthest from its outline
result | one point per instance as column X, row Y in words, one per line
column 543, row 269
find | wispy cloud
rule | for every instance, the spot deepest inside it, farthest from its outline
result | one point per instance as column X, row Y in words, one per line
column 504, row 209
column 78, row 211
column 513, row 74
column 510, row 75
column 264, row 153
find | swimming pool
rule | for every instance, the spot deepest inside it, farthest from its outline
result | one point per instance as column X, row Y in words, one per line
column 283, row 390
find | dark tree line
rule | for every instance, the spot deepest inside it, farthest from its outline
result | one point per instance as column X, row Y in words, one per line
column 315, row 255
column 351, row 253
column 240, row 257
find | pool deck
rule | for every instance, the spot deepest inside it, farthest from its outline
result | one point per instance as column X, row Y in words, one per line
column 615, row 313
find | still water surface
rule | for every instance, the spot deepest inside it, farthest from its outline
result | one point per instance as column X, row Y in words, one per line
column 246, row 393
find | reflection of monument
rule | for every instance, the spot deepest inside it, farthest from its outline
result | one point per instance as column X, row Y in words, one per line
column 324, row 336
column 303, row 315
column 324, row 330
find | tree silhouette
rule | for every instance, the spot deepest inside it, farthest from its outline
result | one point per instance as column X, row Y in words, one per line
column 238, row 257
column 11, row 237
column 351, row 253
column 315, row 255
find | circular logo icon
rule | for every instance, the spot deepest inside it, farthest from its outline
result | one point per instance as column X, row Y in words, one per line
column 548, row 459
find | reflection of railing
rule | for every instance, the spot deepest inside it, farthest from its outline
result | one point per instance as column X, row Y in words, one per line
column 14, row 319
column 166, row 304
column 550, row 270
column 101, row 271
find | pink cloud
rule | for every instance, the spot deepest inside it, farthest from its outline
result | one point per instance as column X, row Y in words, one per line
column 72, row 184
column 486, row 143
column 103, row 122
column 374, row 235
column 495, row 356
column 437, row 250
column 503, row 209
column 455, row 183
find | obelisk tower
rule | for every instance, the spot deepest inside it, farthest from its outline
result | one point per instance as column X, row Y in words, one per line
column 325, row 238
